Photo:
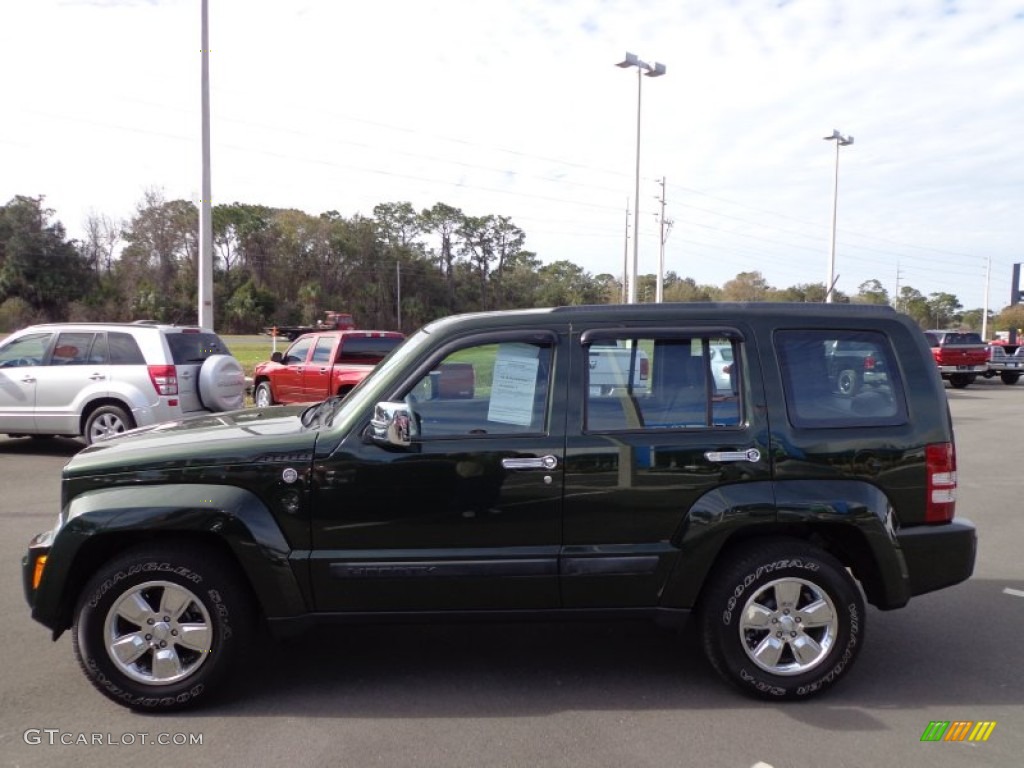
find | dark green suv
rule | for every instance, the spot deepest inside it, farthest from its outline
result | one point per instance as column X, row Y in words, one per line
column 478, row 474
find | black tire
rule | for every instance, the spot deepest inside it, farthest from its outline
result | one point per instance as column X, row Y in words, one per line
column 788, row 586
column 1009, row 378
column 960, row 380
column 264, row 395
column 184, row 597
column 848, row 382
column 106, row 421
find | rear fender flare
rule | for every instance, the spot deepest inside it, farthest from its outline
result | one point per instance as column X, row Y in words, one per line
column 850, row 518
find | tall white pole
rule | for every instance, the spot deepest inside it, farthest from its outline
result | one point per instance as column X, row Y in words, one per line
column 206, row 207
column 636, row 199
column 832, row 253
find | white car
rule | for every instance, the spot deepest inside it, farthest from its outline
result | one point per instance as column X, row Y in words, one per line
column 93, row 380
column 721, row 366
column 610, row 369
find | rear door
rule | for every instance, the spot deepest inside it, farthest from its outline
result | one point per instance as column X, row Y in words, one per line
column 641, row 462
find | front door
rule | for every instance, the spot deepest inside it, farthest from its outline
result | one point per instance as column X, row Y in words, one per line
column 468, row 517
column 21, row 361
column 316, row 378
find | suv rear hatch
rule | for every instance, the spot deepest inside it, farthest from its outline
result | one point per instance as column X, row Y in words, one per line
column 190, row 348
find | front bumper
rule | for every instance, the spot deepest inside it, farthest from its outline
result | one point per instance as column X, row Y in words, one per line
column 938, row 556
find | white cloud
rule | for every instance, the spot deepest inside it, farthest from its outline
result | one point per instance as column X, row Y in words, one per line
column 517, row 109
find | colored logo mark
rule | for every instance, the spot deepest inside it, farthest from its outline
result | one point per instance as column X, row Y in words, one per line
column 958, row 730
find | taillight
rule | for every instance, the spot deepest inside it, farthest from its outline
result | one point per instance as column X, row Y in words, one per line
column 869, row 363
column 940, row 461
column 164, row 378
column 645, row 368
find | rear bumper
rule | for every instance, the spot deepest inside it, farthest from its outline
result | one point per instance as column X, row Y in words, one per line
column 938, row 556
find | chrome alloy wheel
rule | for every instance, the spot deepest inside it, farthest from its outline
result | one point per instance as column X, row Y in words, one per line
column 788, row 626
column 106, row 425
column 158, row 632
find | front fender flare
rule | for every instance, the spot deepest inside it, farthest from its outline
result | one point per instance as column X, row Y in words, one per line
column 233, row 516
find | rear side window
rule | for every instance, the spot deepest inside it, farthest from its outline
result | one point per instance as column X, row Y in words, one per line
column 124, row 350
column 74, row 348
column 189, row 347
column 840, row 379
column 366, row 350
column 689, row 381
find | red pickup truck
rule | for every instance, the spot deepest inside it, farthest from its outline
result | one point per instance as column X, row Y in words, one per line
column 961, row 356
column 319, row 365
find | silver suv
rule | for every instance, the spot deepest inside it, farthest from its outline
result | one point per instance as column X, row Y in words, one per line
column 98, row 379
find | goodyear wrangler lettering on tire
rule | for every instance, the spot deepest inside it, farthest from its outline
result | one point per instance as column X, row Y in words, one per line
column 147, row 638
column 789, row 619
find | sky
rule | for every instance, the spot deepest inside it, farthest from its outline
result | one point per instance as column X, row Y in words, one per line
column 517, row 109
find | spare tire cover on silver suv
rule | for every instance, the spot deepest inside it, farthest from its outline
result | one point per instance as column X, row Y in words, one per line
column 222, row 383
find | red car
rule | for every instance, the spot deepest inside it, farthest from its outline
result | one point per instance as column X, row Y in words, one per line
column 319, row 365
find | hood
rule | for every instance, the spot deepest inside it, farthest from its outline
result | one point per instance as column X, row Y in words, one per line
column 215, row 438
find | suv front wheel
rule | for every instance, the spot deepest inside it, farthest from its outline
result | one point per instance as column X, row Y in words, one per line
column 782, row 619
column 159, row 627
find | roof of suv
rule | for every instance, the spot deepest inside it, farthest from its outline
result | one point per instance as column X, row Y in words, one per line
column 715, row 311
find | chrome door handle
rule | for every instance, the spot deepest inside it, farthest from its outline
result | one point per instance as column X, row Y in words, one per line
column 751, row 454
column 542, row 462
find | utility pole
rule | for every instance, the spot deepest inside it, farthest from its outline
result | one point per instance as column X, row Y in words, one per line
column 398, row 293
column 625, row 260
column 660, row 289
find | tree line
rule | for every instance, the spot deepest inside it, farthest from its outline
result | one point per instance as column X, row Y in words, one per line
column 398, row 269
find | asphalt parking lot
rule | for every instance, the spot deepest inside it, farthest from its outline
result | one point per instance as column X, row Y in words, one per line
column 588, row 694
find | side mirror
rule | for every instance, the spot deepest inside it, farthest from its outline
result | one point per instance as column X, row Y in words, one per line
column 392, row 425
column 277, row 357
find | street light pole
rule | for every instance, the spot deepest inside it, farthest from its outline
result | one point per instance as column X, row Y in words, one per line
column 841, row 141
column 205, row 314
column 650, row 70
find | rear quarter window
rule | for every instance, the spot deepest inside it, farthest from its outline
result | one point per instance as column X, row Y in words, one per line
column 840, row 379
column 124, row 350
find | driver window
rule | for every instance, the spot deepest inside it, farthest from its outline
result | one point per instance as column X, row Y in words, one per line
column 490, row 389
column 28, row 350
column 296, row 354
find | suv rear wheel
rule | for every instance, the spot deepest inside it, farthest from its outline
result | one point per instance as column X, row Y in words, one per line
column 782, row 619
column 157, row 628
column 106, row 421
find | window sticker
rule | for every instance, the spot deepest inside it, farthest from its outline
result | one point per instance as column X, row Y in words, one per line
column 514, row 387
